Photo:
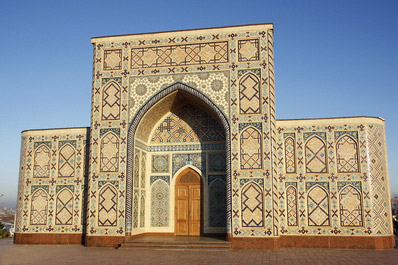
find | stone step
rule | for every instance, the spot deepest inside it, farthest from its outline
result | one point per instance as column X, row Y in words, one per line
column 177, row 245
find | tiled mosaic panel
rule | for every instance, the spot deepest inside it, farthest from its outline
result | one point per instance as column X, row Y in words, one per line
column 39, row 208
column 142, row 210
column 107, row 206
column 350, row 207
column 290, row 155
column 113, row 59
column 109, row 153
column 64, row 208
column 248, row 50
column 217, row 162
column 315, row 154
column 250, row 149
column 42, row 160
column 111, row 101
column 179, row 55
column 143, row 169
column 217, row 201
column 291, row 206
column 160, row 163
column 135, row 209
column 214, row 85
column 66, row 161
column 42, row 206
column 378, row 180
column 347, row 156
column 252, row 206
column 344, row 219
column 318, row 207
column 136, row 177
column 249, row 94
column 196, row 159
column 188, row 124
column 160, row 204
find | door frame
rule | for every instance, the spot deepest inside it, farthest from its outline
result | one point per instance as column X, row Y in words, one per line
column 176, row 182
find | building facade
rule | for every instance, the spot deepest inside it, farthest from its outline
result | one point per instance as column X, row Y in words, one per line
column 184, row 141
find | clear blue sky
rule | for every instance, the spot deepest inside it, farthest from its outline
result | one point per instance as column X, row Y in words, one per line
column 333, row 58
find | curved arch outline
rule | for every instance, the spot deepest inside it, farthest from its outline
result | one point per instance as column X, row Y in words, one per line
column 260, row 146
column 106, row 86
column 31, row 204
column 328, row 198
column 98, row 204
column 356, row 153
column 56, row 204
column 74, row 162
column 118, row 151
column 259, row 93
column 130, row 143
column 244, row 188
column 326, row 153
column 360, row 204
column 49, row 160
column 294, row 150
column 289, row 187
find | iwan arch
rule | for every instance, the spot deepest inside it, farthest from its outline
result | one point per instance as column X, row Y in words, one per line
column 184, row 141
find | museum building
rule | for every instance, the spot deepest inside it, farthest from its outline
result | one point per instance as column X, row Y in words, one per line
column 184, row 141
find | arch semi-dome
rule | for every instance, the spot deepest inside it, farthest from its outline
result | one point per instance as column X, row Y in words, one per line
column 164, row 101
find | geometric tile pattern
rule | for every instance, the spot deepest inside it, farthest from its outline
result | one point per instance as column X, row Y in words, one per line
column 143, row 170
column 381, row 211
column 188, row 124
column 159, row 204
column 109, row 153
column 136, row 177
column 195, row 159
column 64, row 209
column 291, row 206
column 249, row 94
column 66, row 161
column 135, row 210
column 248, row 50
column 179, row 55
column 250, row 149
column 111, row 101
column 350, row 207
column 252, row 206
column 290, row 156
column 318, row 207
column 218, row 85
column 39, row 208
column 215, row 85
column 315, row 153
column 47, row 203
column 347, row 155
column 107, row 206
column 217, row 162
column 142, row 209
column 42, row 162
column 217, row 203
column 113, row 59
column 160, row 163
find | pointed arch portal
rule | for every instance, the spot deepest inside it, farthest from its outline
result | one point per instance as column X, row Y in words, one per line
column 168, row 99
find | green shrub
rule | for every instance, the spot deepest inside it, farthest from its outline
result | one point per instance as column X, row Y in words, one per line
column 3, row 231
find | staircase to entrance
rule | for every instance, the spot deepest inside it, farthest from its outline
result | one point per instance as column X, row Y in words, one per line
column 178, row 243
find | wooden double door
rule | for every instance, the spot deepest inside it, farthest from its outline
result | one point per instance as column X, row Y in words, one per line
column 188, row 204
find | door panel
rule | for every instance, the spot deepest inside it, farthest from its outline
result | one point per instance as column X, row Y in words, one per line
column 181, row 210
column 194, row 210
column 188, row 206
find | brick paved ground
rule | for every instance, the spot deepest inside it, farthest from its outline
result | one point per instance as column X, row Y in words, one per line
column 76, row 254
